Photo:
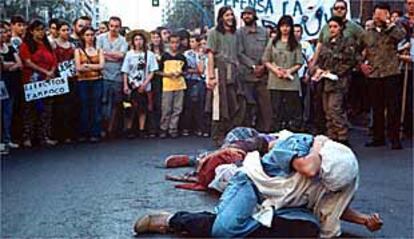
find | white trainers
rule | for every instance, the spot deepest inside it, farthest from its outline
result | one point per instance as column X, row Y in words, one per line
column 12, row 145
column 3, row 149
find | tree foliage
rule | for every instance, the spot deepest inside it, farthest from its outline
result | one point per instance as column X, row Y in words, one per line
column 189, row 14
column 41, row 9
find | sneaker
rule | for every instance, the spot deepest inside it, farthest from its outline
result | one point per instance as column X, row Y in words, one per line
column 163, row 135
column 4, row 149
column 27, row 143
column 206, row 135
column 185, row 132
column 12, row 145
column 174, row 135
column 49, row 142
column 67, row 141
column 130, row 134
column 94, row 139
column 199, row 133
column 152, row 135
column 156, row 222
column 82, row 139
column 175, row 161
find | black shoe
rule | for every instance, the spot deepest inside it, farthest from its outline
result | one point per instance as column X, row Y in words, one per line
column 142, row 134
column 396, row 145
column 375, row 143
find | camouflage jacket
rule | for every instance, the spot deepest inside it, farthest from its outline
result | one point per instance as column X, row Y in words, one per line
column 381, row 50
column 338, row 56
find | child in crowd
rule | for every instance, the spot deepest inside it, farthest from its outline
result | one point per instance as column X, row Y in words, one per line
column 138, row 68
column 173, row 65
column 194, row 96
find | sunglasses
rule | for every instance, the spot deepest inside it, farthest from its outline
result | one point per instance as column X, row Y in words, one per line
column 339, row 8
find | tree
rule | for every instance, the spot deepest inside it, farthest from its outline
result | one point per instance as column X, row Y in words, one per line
column 189, row 14
column 43, row 9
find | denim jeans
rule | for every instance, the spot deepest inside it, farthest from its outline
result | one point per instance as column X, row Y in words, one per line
column 112, row 96
column 235, row 209
column 7, row 116
column 90, row 94
column 193, row 112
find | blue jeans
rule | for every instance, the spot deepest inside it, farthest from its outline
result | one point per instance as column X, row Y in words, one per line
column 112, row 96
column 194, row 100
column 90, row 94
column 7, row 116
column 235, row 209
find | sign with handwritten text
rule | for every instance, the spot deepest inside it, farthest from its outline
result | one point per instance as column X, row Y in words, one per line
column 311, row 14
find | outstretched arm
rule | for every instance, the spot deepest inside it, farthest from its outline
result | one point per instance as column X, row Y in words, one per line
column 372, row 222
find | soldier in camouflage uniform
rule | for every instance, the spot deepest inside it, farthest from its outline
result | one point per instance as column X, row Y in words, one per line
column 338, row 57
column 382, row 69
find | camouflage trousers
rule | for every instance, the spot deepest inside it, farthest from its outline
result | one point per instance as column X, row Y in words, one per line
column 335, row 114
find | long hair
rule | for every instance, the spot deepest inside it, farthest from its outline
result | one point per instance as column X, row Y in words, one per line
column 161, row 46
column 220, row 20
column 28, row 39
column 292, row 42
column 82, row 37
column 135, row 34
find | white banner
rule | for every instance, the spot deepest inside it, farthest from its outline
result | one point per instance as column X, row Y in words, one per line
column 67, row 69
column 311, row 14
column 3, row 91
column 46, row 88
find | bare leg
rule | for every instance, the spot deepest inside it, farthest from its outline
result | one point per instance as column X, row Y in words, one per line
column 141, row 120
column 372, row 222
column 112, row 120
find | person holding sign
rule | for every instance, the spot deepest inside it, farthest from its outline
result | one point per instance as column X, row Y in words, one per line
column 65, row 104
column 138, row 68
column 89, row 63
column 39, row 65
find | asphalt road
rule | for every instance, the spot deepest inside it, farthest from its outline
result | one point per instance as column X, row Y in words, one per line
column 99, row 190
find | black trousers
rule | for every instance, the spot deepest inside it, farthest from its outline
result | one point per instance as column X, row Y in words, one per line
column 385, row 95
column 200, row 224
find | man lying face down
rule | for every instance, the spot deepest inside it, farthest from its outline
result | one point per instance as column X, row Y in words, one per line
column 303, row 182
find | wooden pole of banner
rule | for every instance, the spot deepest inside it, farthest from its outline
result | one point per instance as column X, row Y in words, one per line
column 216, row 98
column 404, row 98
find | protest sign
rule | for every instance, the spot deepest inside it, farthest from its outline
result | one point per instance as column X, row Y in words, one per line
column 67, row 68
column 311, row 14
column 46, row 88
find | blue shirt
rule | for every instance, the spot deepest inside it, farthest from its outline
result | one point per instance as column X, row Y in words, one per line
column 277, row 162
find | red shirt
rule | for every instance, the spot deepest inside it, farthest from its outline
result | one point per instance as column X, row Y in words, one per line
column 64, row 54
column 42, row 58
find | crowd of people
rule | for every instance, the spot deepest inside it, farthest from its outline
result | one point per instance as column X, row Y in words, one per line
column 166, row 83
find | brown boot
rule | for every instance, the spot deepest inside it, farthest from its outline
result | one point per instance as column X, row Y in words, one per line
column 175, row 161
column 156, row 222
